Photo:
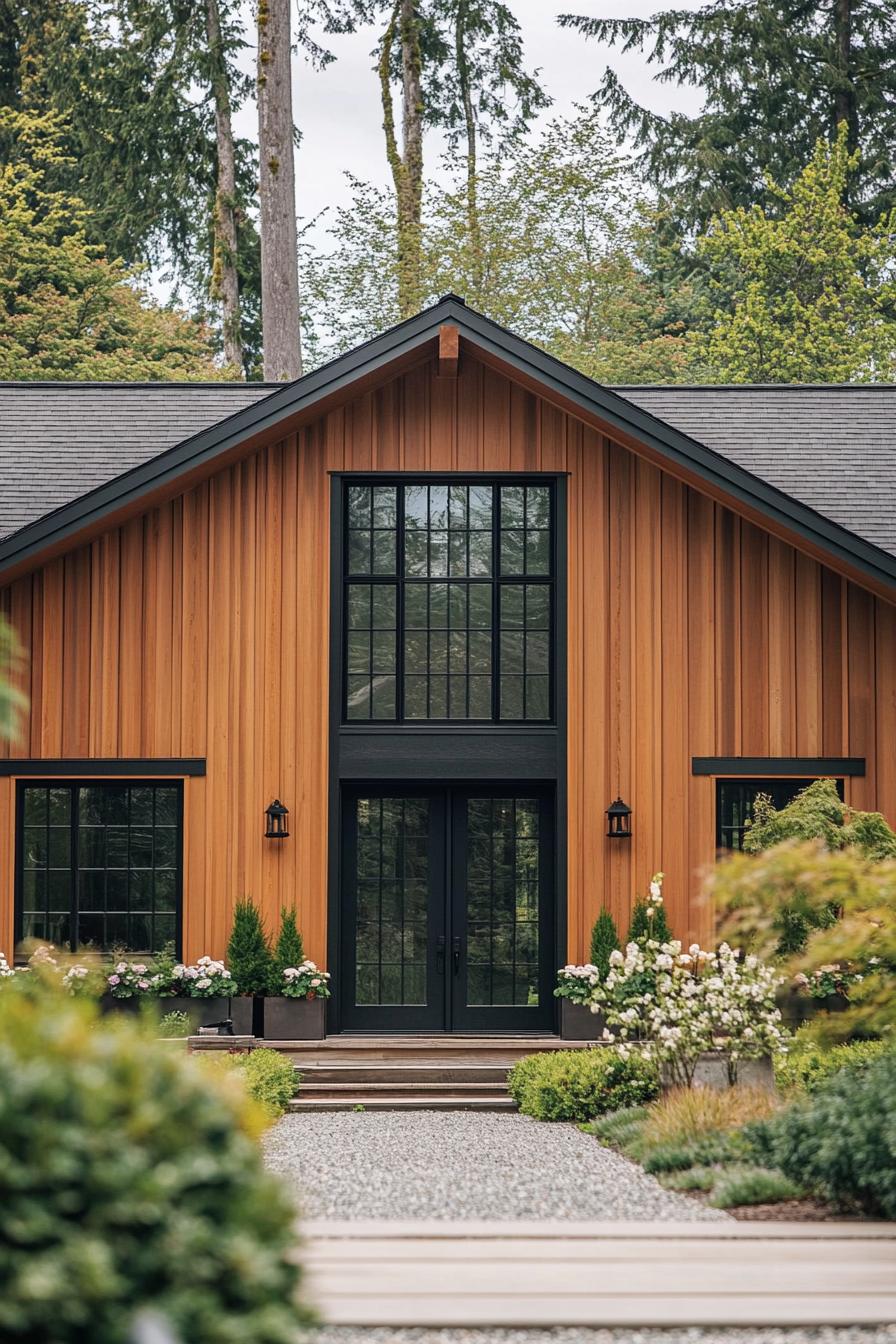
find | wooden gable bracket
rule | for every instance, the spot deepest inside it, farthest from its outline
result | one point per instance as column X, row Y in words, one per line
column 449, row 347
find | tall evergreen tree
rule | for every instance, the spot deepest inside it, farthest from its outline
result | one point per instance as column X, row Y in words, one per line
column 775, row 76
column 249, row 957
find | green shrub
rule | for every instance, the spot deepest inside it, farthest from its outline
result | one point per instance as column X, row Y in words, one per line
column 691, row 1178
column 818, row 813
column 604, row 940
column 270, row 1079
column 807, row 1064
column 132, row 1179
column 841, row 1139
column 620, row 1129
column 289, row 949
column 174, row 1024
column 752, row 1185
column 579, row 1084
column 701, row 1151
column 249, row 951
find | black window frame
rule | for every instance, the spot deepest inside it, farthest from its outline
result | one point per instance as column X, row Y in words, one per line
column 496, row 583
column 775, row 785
column 73, row 785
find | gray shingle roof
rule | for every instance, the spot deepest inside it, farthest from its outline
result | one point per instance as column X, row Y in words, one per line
column 831, row 447
column 59, row 440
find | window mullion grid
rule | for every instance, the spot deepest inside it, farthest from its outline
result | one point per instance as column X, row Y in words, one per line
column 513, row 897
column 74, row 812
column 496, row 604
column 400, row 580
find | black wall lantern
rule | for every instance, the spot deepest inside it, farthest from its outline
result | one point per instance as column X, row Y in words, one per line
column 618, row 825
column 276, row 815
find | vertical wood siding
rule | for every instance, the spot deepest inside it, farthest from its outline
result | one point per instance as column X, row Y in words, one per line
column 201, row 629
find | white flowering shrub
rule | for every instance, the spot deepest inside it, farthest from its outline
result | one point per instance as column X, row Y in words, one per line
column 129, row 980
column 681, row 1003
column 207, row 979
column 6, row 971
column 577, row 983
column 306, row 981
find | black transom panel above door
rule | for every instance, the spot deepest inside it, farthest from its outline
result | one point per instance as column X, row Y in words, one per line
column 447, row 909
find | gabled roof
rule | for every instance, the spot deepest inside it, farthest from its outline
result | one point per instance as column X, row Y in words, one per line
column 724, row 445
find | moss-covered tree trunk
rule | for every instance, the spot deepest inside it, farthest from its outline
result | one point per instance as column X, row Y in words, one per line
column 406, row 163
column 277, row 196
column 225, row 287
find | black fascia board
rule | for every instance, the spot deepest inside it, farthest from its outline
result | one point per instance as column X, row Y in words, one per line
column 770, row 766
column 403, row 339
column 115, row 767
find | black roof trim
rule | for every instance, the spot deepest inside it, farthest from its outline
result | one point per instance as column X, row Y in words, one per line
column 768, row 766
column 65, row 767
column 403, row 339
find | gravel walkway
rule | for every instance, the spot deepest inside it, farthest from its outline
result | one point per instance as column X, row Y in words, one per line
column 462, row 1164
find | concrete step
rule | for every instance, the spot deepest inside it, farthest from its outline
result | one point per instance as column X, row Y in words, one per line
column 412, row 1072
column 416, row 1101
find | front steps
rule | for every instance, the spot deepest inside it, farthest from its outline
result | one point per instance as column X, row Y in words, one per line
column 406, row 1073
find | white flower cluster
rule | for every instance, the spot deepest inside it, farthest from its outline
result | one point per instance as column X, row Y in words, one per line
column 5, row 969
column 129, row 979
column 207, row 979
column 304, row 982
column 576, row 983
column 682, row 1003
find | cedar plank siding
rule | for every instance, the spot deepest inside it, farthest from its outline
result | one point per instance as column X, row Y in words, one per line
column 201, row 629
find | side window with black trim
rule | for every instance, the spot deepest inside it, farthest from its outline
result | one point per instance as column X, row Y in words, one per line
column 99, row 865
column 735, row 800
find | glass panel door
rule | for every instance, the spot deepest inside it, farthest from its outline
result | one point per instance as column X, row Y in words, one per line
column 393, row 972
column 502, row 912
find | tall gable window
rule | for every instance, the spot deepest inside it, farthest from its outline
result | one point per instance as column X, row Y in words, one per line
column 99, row 865
column 449, row 601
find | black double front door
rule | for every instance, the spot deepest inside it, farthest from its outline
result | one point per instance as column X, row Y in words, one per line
column 447, row 919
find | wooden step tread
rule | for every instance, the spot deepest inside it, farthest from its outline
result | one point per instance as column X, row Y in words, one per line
column 411, row 1102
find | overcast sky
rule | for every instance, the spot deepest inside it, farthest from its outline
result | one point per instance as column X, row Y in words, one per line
column 339, row 114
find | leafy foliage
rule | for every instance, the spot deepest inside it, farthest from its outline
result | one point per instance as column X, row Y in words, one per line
column 808, row 1065
column 604, row 940
column 555, row 258
column 270, row 1078
column 174, row 1025
column 649, row 919
column 289, row 950
column 66, row 309
column 818, row 813
column 249, row 950
column 138, row 1184
column 753, row 1185
column 802, row 290
column 580, row 1084
column 841, row 1140
column 775, row 78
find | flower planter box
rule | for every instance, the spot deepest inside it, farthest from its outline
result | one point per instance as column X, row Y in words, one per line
column 246, row 1014
column 799, row 1008
column 712, row 1071
column 294, row 1019
column 201, row 1012
column 578, row 1023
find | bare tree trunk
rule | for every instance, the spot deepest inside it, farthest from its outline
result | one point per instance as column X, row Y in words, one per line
column 406, row 164
column 845, row 107
column 277, row 196
column 463, row 77
column 225, row 280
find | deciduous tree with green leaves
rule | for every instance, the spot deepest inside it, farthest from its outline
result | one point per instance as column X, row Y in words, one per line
column 803, row 291
column 67, row 310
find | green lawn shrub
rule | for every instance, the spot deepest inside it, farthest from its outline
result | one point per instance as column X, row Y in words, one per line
column 580, row 1084
column 271, row 1079
column 131, row 1178
column 703, row 1150
column 840, row 1140
column 691, row 1178
column 807, row 1064
column 174, row 1025
column 752, row 1185
column 620, row 1129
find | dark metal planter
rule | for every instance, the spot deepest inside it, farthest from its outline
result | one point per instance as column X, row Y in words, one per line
column 712, row 1071
column 201, row 1012
column 294, row 1019
column 246, row 1014
column 578, row 1023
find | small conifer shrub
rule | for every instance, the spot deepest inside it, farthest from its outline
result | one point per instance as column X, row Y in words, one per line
column 289, row 949
column 604, row 940
column 249, row 950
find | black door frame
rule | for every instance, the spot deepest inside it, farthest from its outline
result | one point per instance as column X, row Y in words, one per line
column 446, row 1011
column 436, row 756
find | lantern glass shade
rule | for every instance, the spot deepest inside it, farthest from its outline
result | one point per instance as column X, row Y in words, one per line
column 618, row 820
column 276, row 815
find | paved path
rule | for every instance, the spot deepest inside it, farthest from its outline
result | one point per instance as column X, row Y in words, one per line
column 462, row 1164
column 477, row 1275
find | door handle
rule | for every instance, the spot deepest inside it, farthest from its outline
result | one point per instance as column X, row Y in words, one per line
column 440, row 954
column 455, row 953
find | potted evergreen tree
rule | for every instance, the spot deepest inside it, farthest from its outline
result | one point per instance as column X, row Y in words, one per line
column 577, row 1022
column 295, row 1009
column 251, row 966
